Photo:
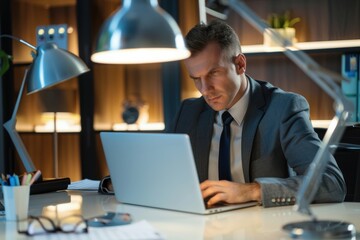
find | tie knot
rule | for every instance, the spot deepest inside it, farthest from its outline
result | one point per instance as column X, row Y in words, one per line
column 226, row 118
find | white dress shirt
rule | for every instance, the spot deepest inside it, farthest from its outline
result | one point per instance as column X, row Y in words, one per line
column 237, row 112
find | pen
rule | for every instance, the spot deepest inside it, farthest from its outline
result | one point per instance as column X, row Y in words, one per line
column 3, row 183
column 12, row 181
column 16, row 178
column 24, row 178
column 28, row 179
column 35, row 177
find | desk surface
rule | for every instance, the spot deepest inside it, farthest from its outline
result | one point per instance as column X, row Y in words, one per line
column 250, row 223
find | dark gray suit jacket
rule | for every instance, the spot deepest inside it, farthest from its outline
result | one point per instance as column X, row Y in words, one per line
column 278, row 145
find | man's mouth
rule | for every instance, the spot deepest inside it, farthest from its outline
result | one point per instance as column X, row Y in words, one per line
column 213, row 98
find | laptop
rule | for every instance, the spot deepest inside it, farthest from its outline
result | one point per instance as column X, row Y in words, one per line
column 156, row 170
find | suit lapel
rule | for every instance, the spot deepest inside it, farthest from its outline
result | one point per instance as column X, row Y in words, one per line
column 251, row 122
column 203, row 141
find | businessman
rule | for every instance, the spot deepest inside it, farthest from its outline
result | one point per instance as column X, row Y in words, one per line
column 270, row 140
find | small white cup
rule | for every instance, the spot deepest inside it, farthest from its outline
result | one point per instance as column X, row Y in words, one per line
column 16, row 201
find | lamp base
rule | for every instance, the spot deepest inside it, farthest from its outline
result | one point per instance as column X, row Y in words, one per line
column 321, row 230
column 49, row 185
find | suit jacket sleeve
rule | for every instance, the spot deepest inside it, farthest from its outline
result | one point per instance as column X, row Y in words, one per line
column 299, row 145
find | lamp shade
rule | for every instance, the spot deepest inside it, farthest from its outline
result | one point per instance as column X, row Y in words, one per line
column 51, row 66
column 140, row 32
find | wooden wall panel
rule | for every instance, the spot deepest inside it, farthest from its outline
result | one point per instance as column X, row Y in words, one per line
column 40, row 149
column 109, row 94
column 69, row 156
column 143, row 82
column 188, row 17
column 283, row 73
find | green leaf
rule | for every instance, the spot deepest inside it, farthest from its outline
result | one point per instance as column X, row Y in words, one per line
column 4, row 62
column 281, row 20
column 293, row 21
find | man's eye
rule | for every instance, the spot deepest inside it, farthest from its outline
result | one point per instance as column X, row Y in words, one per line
column 214, row 73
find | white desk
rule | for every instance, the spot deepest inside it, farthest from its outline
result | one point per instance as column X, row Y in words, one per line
column 250, row 223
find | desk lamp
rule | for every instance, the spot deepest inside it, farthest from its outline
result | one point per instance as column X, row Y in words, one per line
column 327, row 81
column 51, row 65
column 140, row 32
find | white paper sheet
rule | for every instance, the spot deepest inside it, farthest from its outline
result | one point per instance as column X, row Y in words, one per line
column 85, row 185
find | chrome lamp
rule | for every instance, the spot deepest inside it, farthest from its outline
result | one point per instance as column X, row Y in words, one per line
column 51, row 65
column 328, row 82
column 140, row 32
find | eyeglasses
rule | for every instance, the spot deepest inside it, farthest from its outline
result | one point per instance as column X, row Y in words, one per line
column 41, row 224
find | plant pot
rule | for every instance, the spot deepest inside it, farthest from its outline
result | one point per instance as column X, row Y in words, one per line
column 271, row 33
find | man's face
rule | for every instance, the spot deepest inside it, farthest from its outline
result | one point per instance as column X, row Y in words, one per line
column 216, row 78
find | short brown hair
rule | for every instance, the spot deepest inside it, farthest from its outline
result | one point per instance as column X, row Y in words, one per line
column 216, row 31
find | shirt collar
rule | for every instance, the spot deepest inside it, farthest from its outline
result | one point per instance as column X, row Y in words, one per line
column 238, row 110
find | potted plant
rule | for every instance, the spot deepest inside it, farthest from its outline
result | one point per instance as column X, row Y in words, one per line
column 280, row 24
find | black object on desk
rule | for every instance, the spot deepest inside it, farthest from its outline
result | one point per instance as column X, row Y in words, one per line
column 49, row 185
column 347, row 156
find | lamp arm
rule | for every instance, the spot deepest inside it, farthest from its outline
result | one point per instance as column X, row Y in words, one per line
column 19, row 40
column 10, row 127
column 326, row 81
column 312, row 178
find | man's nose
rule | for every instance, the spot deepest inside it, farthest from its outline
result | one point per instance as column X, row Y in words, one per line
column 205, row 86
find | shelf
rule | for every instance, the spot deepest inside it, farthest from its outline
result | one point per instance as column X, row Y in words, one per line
column 319, row 46
column 324, row 124
column 151, row 126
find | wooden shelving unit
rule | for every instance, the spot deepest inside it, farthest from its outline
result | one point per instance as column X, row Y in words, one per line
column 113, row 84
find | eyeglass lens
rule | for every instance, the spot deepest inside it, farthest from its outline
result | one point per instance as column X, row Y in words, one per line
column 41, row 224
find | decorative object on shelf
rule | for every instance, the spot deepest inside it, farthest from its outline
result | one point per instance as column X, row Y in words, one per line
column 283, row 25
column 329, row 82
column 130, row 114
column 139, row 32
column 51, row 65
column 350, row 69
column 57, row 34
column 135, row 111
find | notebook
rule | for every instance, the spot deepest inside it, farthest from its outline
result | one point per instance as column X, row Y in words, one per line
column 156, row 170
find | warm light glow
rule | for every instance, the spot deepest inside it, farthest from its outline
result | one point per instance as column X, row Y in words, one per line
column 70, row 30
column 303, row 46
column 41, row 31
column 51, row 31
column 140, row 55
column 59, row 211
column 65, row 122
column 61, row 30
column 136, row 127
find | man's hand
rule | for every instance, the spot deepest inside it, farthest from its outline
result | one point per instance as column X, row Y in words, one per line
column 230, row 192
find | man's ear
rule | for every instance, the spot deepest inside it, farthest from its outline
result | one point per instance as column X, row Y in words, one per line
column 240, row 63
